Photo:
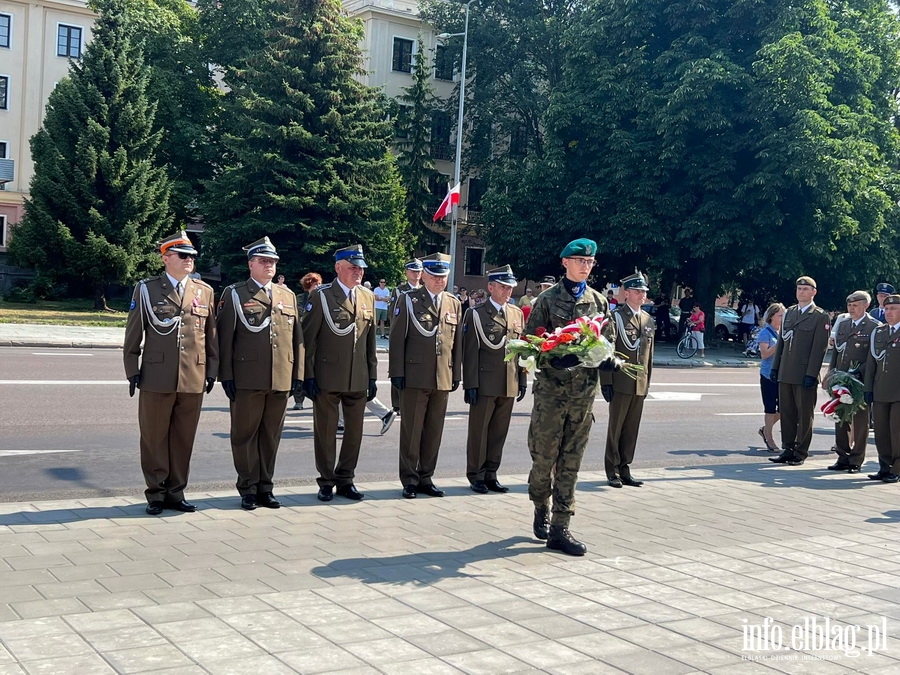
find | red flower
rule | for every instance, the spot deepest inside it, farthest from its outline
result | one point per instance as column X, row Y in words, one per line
column 566, row 337
column 540, row 331
column 549, row 344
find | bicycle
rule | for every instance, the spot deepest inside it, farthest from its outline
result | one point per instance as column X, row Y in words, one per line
column 688, row 345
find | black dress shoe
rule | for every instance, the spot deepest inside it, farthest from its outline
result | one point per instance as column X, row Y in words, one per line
column 783, row 458
column 154, row 508
column 890, row 478
column 350, row 492
column 615, row 482
column 409, row 492
column 248, row 502
column 268, row 500
column 838, row 466
column 326, row 493
column 853, row 469
column 429, row 490
column 877, row 476
column 479, row 487
column 795, row 461
column 628, row 479
column 541, row 525
column 494, row 486
column 561, row 539
column 182, row 506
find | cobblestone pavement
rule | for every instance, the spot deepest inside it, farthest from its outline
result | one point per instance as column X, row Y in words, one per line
column 677, row 574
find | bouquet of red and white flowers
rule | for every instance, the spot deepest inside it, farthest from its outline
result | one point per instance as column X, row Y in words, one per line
column 582, row 338
column 847, row 396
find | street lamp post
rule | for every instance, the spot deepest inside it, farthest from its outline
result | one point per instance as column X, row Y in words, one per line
column 454, row 219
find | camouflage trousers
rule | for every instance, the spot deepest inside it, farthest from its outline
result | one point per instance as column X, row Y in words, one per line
column 558, row 433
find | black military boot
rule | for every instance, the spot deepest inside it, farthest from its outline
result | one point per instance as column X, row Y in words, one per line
column 561, row 539
column 541, row 524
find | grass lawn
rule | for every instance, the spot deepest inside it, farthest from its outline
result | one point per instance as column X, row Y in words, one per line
column 64, row 312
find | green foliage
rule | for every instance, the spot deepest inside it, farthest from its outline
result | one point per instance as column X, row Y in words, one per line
column 709, row 142
column 187, row 101
column 233, row 31
column 416, row 105
column 306, row 161
column 98, row 198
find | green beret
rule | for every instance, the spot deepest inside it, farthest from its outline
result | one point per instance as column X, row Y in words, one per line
column 585, row 247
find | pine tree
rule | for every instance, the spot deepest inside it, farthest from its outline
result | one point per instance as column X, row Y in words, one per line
column 416, row 105
column 308, row 145
column 98, row 201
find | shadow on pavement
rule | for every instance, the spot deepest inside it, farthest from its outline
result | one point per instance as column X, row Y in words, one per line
column 424, row 568
column 762, row 472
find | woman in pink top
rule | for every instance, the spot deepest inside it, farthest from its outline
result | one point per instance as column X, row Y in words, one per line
column 698, row 327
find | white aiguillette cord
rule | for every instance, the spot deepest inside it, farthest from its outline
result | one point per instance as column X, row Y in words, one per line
column 620, row 326
column 480, row 330
column 155, row 323
column 340, row 332
column 236, row 301
column 419, row 327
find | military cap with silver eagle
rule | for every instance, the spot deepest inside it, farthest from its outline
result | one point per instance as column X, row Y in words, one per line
column 352, row 254
column 503, row 275
column 261, row 248
column 437, row 264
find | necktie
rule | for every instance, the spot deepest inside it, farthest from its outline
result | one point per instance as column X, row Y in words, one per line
column 179, row 291
column 351, row 296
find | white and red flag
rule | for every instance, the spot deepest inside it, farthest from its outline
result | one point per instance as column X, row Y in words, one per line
column 447, row 205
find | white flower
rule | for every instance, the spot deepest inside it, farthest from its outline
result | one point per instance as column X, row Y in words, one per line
column 528, row 363
column 847, row 399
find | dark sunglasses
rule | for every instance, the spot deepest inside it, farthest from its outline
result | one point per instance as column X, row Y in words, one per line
column 185, row 256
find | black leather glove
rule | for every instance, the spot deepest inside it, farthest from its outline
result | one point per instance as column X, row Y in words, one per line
column 563, row 362
column 809, row 382
column 611, row 365
column 311, row 387
column 210, row 383
column 470, row 396
column 606, row 390
column 297, row 387
column 133, row 383
column 373, row 389
column 398, row 383
column 455, row 385
column 521, row 395
column 869, row 397
column 774, row 375
column 229, row 388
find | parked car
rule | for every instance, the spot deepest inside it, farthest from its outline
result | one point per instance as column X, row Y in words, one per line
column 727, row 321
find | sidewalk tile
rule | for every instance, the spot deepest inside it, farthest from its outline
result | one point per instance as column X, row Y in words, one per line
column 40, row 608
column 430, row 666
column 448, row 642
column 142, row 659
column 487, row 662
column 346, row 632
column 230, row 645
column 385, row 650
column 124, row 638
column 321, row 660
column 82, row 663
column 545, row 654
column 270, row 665
column 109, row 620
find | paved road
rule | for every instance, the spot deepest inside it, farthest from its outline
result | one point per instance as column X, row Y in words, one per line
column 68, row 428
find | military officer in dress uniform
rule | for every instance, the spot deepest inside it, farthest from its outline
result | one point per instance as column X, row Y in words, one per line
column 563, row 400
column 798, row 359
column 882, row 387
column 341, row 369
column 882, row 290
column 262, row 362
column 425, row 365
column 635, row 330
column 490, row 383
column 413, row 271
column 852, row 336
column 174, row 316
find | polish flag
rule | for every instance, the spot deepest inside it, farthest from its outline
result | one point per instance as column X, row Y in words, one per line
column 447, row 205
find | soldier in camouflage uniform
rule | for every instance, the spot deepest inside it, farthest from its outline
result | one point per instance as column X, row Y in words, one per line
column 563, row 400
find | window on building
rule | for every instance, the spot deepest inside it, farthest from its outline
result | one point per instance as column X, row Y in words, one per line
column 443, row 63
column 474, row 262
column 4, row 154
column 3, row 233
column 4, row 92
column 5, row 30
column 440, row 135
column 518, row 141
column 68, row 41
column 403, row 50
column 477, row 188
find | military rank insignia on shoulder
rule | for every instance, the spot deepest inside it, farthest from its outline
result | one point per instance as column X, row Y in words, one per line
column 308, row 306
column 133, row 304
